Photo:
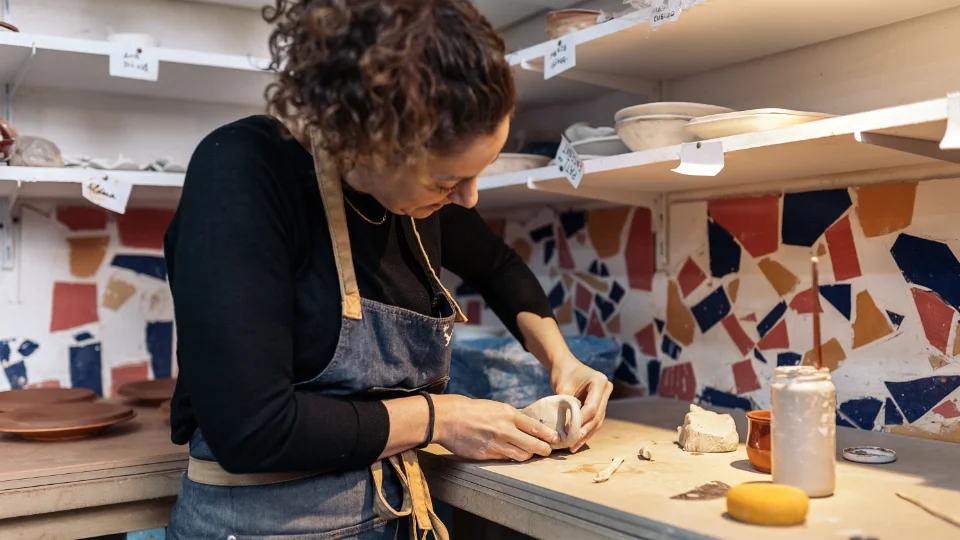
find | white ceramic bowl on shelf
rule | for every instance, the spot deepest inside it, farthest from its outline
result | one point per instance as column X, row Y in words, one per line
column 657, row 131
column 678, row 108
column 738, row 123
column 508, row 163
column 601, row 146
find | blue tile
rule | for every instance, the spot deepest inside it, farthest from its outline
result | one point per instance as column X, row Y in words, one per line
column 617, row 292
column 723, row 399
column 891, row 415
column 670, row 347
column 862, row 412
column 572, row 222
column 929, row 264
column 16, row 375
column 548, row 250
column 895, row 318
column 150, row 534
column 604, row 271
column 771, row 319
column 465, row 290
column 759, row 356
column 660, row 325
column 653, row 376
column 4, row 351
column 838, row 296
column 160, row 347
column 711, row 310
column 629, row 355
column 556, row 296
column 542, row 233
column 85, row 365
column 604, row 306
column 594, row 268
column 918, row 396
column 82, row 336
column 27, row 348
column 807, row 215
column 147, row 265
column 788, row 359
column 581, row 321
column 842, row 422
column 625, row 374
column 724, row 250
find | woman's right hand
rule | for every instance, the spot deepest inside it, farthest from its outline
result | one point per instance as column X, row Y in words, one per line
column 488, row 430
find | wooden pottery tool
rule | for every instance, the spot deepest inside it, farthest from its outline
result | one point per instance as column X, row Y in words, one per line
column 64, row 421
column 12, row 400
column 561, row 413
column 152, row 392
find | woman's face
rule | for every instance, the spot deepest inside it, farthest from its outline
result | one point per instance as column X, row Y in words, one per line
column 445, row 180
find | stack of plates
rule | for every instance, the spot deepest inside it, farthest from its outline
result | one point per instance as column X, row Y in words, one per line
column 655, row 125
column 49, row 414
column 737, row 123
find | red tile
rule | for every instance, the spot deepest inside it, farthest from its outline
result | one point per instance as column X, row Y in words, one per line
column 595, row 328
column 739, row 337
column 639, row 252
column 647, row 340
column 143, row 227
column 803, row 302
column 474, row 311
column 563, row 251
column 582, row 238
column 129, row 373
column 74, row 304
column 776, row 338
column 45, row 384
column 497, row 225
column 750, row 318
column 935, row 316
column 753, row 221
column 690, row 277
column 947, row 409
column 678, row 382
column 82, row 218
column 584, row 298
column 843, row 250
column 745, row 377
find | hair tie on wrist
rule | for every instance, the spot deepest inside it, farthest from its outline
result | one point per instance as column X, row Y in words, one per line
column 430, row 421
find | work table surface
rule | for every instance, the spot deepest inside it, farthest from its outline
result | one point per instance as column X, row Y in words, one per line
column 555, row 497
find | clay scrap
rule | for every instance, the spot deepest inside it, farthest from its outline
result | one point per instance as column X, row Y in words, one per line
column 605, row 474
column 705, row 492
column 644, row 454
column 707, row 432
column 561, row 413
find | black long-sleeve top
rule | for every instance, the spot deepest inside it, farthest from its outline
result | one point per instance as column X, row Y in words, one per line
column 258, row 307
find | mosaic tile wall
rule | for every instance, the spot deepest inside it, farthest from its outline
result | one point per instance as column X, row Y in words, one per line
column 736, row 299
column 89, row 304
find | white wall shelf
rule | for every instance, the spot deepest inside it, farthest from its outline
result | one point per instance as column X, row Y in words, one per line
column 83, row 64
column 826, row 152
column 64, row 183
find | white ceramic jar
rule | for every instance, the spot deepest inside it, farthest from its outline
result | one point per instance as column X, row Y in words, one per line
column 803, row 428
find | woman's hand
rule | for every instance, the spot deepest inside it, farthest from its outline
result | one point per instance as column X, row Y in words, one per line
column 571, row 377
column 481, row 429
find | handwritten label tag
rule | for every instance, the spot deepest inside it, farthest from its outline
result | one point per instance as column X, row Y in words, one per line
column 664, row 11
column 701, row 158
column 562, row 56
column 569, row 162
column 134, row 63
column 107, row 192
column 951, row 137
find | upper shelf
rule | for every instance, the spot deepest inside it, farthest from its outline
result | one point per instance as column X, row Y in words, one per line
column 83, row 64
column 830, row 150
column 64, row 183
column 627, row 54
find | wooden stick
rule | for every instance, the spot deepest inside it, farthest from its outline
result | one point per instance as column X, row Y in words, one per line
column 605, row 474
column 817, row 352
column 929, row 510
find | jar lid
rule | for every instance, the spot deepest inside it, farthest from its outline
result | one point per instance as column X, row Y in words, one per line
column 869, row 454
column 801, row 373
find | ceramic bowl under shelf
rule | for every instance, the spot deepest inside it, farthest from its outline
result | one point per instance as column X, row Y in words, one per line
column 678, row 108
column 508, row 163
column 601, row 146
column 567, row 21
column 646, row 132
column 738, row 123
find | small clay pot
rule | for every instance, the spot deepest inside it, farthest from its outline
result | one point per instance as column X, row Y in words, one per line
column 758, row 440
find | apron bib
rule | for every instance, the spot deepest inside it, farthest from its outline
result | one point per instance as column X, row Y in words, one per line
column 382, row 351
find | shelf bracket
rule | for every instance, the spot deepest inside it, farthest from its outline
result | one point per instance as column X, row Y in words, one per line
column 5, row 11
column 6, row 234
column 10, row 88
column 640, row 87
column 661, row 231
column 919, row 147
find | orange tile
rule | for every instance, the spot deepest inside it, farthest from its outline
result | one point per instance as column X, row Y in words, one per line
column 885, row 208
column 605, row 227
column 87, row 254
column 565, row 313
column 733, row 290
column 832, row 352
column 680, row 322
column 117, row 293
column 524, row 248
column 783, row 280
column 937, row 361
column 871, row 324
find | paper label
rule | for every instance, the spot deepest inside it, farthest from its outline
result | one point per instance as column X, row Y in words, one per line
column 562, row 56
column 701, row 158
column 664, row 11
column 134, row 63
column 107, row 192
column 569, row 162
column 951, row 137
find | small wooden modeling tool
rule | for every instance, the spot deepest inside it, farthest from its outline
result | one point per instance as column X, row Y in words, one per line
column 817, row 357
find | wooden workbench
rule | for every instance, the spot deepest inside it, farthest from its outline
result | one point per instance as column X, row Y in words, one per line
column 125, row 480
column 554, row 498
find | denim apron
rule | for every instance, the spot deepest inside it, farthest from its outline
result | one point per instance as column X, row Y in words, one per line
column 383, row 351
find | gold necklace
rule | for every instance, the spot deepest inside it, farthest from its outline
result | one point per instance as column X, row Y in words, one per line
column 365, row 218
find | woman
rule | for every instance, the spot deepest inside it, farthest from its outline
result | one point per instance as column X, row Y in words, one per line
column 313, row 333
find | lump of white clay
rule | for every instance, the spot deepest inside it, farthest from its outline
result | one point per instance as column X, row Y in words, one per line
column 707, row 432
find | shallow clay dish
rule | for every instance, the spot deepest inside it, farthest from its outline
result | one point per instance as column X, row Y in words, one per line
column 165, row 411
column 154, row 392
column 64, row 421
column 567, row 21
column 12, row 400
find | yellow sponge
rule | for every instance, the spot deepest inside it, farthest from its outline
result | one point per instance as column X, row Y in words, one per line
column 763, row 503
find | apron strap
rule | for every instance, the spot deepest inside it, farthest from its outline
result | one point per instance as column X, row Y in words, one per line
column 460, row 318
column 331, row 192
column 416, row 497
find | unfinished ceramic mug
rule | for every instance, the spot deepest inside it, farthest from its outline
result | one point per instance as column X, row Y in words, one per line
column 561, row 413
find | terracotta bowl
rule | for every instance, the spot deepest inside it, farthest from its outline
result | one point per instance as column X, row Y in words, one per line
column 758, row 440
column 567, row 21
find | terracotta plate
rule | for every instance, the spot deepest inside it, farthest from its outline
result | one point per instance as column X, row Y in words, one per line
column 31, row 397
column 64, row 421
column 155, row 391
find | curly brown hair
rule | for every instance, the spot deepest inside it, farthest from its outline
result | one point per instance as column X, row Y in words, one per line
column 388, row 82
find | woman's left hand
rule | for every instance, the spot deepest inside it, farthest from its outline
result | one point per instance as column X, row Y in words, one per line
column 591, row 387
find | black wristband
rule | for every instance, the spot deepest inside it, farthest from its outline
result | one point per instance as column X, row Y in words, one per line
column 430, row 421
